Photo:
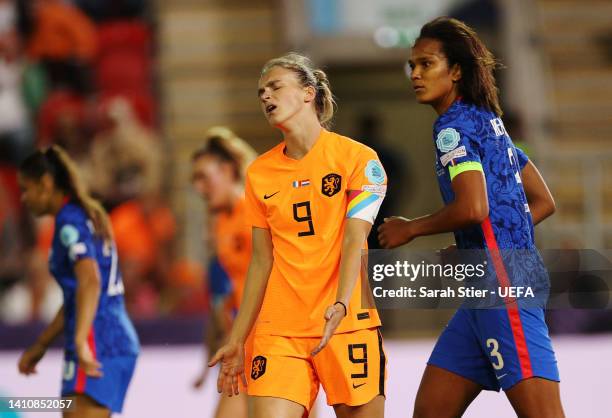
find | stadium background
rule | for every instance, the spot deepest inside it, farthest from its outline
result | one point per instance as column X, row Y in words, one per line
column 130, row 86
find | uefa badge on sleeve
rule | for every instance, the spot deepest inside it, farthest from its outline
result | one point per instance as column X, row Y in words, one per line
column 375, row 173
column 69, row 235
column 447, row 140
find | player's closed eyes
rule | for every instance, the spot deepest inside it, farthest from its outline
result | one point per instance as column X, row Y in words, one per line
column 261, row 92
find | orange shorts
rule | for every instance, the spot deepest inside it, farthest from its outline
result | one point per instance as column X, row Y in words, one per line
column 351, row 368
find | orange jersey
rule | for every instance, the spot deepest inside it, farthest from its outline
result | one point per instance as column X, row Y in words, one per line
column 304, row 204
column 233, row 247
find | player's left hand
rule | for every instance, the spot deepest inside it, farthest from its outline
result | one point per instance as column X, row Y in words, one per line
column 333, row 316
column 395, row 231
column 87, row 362
column 231, row 356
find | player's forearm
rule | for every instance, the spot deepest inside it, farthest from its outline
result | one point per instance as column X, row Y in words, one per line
column 350, row 264
column 450, row 218
column 254, row 290
column 55, row 328
column 88, row 294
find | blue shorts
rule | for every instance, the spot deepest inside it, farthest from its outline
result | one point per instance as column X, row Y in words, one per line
column 496, row 348
column 108, row 390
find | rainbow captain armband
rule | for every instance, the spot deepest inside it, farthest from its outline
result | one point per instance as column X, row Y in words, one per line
column 363, row 204
column 455, row 170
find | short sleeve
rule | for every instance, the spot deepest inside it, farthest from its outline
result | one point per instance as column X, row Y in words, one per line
column 521, row 157
column 255, row 211
column 457, row 151
column 75, row 235
column 366, row 188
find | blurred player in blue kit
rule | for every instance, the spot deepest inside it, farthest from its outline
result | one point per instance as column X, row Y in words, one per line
column 101, row 345
column 493, row 197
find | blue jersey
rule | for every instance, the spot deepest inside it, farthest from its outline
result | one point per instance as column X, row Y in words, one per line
column 470, row 138
column 497, row 348
column 112, row 334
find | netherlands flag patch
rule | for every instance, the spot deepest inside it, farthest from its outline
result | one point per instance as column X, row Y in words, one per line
column 301, row 183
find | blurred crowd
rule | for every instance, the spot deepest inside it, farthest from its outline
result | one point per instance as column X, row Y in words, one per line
column 80, row 74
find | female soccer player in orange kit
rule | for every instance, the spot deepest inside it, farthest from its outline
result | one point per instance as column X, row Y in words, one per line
column 218, row 171
column 311, row 201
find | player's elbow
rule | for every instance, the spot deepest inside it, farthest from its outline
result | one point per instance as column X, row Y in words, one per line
column 546, row 209
column 476, row 212
column 542, row 208
column 550, row 206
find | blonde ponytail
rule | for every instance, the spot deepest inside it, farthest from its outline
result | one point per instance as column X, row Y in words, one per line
column 325, row 100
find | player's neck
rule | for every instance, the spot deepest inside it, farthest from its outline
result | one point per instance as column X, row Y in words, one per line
column 301, row 137
column 58, row 200
column 442, row 105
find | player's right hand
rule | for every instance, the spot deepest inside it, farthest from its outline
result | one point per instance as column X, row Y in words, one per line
column 395, row 231
column 231, row 356
column 333, row 315
column 30, row 358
